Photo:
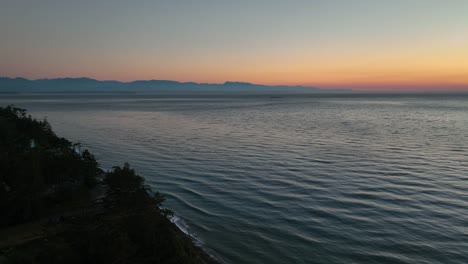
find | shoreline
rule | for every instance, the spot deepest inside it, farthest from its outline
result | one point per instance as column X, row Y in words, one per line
column 60, row 206
column 207, row 257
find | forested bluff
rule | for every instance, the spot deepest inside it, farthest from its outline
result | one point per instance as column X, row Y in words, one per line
column 58, row 206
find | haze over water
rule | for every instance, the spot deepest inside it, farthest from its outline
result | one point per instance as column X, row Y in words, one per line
column 290, row 178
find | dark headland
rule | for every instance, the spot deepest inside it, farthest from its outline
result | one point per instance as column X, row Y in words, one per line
column 58, row 206
column 22, row 85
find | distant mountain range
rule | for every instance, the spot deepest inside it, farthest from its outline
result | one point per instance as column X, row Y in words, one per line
column 14, row 85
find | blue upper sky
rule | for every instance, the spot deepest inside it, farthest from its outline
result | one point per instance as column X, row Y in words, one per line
column 328, row 43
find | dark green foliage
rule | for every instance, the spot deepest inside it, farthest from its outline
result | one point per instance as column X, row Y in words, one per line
column 123, row 180
column 132, row 228
column 48, row 179
column 90, row 168
column 127, row 192
column 35, row 164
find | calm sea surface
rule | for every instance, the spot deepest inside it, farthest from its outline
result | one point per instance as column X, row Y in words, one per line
column 298, row 178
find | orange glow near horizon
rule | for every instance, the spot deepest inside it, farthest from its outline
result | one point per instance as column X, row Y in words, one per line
column 362, row 45
column 423, row 69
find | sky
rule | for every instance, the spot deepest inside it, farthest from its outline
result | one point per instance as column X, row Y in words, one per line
column 359, row 44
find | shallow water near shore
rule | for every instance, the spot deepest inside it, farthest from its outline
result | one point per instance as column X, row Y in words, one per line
column 290, row 178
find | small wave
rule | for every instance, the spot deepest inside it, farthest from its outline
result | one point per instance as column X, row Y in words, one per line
column 185, row 228
column 181, row 224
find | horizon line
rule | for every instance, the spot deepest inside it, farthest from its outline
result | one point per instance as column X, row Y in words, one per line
column 355, row 87
column 166, row 80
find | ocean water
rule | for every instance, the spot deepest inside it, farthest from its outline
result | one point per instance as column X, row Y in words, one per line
column 290, row 178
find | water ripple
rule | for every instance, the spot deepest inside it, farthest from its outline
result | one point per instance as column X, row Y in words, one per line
column 302, row 179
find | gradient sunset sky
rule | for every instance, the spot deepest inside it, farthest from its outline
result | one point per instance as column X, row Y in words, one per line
column 366, row 44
